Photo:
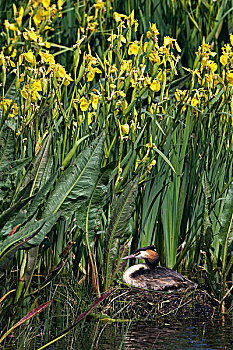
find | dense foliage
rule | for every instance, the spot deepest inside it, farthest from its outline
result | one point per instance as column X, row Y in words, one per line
column 115, row 131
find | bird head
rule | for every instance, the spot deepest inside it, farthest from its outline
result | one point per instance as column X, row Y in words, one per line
column 148, row 253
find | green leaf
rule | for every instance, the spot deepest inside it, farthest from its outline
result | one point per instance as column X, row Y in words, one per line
column 7, row 145
column 11, row 212
column 40, row 163
column 165, row 158
column 30, row 236
column 76, row 184
column 92, row 209
column 222, row 13
column 120, row 217
column 225, row 218
column 8, row 255
column 72, row 151
column 26, row 318
column 80, row 318
column 21, row 212
column 12, row 167
column 40, row 196
column 31, row 265
column 35, row 174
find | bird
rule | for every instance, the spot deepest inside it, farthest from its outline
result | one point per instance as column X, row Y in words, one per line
column 152, row 276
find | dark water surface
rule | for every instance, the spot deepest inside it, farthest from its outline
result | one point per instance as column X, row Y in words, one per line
column 182, row 335
column 178, row 335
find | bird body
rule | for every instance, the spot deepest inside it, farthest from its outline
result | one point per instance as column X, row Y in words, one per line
column 151, row 276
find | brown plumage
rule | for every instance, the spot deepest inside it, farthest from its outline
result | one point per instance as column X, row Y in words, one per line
column 151, row 276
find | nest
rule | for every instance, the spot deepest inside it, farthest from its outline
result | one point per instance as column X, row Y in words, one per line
column 147, row 305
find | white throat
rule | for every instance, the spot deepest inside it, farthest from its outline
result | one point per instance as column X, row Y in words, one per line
column 127, row 274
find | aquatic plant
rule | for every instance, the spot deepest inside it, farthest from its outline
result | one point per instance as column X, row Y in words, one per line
column 111, row 138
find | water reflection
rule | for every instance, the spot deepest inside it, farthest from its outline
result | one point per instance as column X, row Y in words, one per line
column 179, row 335
column 176, row 334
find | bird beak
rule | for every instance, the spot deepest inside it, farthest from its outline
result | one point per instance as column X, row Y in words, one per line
column 129, row 257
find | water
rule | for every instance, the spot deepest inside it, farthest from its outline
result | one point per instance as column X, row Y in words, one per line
column 193, row 334
column 179, row 332
column 176, row 335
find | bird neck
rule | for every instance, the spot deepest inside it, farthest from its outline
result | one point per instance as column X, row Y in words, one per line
column 152, row 263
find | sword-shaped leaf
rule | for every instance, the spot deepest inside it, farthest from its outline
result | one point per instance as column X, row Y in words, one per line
column 37, row 168
column 7, row 145
column 26, row 318
column 79, row 319
column 121, row 215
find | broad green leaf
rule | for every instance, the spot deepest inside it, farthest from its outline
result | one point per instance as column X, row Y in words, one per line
column 8, row 255
column 40, row 196
column 12, row 167
column 49, row 222
column 21, row 212
column 9, row 215
column 31, row 236
column 88, row 215
column 76, row 184
column 35, row 231
column 225, row 219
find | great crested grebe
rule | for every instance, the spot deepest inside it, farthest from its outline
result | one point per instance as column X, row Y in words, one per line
column 151, row 276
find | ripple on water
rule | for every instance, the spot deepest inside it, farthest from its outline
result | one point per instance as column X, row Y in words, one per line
column 193, row 334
